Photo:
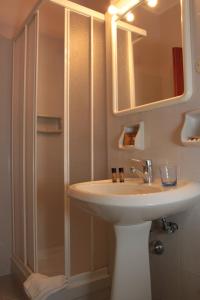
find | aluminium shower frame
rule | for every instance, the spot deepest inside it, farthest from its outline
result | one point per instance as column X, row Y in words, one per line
column 23, row 265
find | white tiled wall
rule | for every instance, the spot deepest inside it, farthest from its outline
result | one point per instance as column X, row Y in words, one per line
column 176, row 274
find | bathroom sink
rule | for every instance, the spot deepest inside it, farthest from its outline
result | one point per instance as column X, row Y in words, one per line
column 133, row 201
column 134, row 204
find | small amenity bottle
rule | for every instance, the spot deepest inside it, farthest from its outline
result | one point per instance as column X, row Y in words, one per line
column 121, row 174
column 114, row 175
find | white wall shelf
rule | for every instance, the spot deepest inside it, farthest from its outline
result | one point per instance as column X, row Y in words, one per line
column 190, row 135
column 132, row 137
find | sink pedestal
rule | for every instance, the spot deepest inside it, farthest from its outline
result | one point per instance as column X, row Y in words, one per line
column 131, row 278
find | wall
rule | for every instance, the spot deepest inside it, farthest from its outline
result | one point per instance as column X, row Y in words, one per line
column 176, row 274
column 5, row 109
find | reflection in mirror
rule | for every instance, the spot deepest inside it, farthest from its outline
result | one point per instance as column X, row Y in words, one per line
column 151, row 59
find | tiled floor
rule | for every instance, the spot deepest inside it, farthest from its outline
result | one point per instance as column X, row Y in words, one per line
column 10, row 289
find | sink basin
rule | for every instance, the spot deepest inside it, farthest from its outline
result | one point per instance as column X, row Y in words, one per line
column 133, row 201
column 131, row 206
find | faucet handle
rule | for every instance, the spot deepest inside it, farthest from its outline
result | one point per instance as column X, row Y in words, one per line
column 144, row 162
column 146, row 165
column 139, row 161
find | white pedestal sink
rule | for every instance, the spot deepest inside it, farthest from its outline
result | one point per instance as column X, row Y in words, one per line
column 131, row 206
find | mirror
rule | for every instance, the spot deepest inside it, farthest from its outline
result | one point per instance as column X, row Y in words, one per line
column 151, row 56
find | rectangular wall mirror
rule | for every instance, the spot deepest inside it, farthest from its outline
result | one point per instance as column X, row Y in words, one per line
column 151, row 55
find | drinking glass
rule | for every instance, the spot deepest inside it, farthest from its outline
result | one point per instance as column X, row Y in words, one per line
column 168, row 175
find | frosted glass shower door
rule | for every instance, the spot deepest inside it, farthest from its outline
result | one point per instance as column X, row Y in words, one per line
column 80, row 139
column 19, row 239
column 23, row 146
column 50, row 141
column 59, row 138
column 30, row 111
column 87, row 136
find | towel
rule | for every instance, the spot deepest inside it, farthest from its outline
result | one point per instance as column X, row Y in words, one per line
column 39, row 287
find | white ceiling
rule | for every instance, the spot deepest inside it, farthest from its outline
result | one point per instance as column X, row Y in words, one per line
column 12, row 15
column 162, row 7
column 14, row 12
column 98, row 5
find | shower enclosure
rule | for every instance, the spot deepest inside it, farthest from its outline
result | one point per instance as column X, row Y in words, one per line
column 58, row 138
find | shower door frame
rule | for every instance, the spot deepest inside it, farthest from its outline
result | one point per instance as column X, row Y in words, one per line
column 22, row 265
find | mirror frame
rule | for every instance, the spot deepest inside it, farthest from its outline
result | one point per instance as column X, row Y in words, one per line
column 187, row 65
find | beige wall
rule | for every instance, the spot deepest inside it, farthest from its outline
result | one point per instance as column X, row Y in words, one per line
column 5, row 113
column 176, row 274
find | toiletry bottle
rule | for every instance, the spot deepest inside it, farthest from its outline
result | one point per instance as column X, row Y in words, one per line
column 121, row 174
column 114, row 175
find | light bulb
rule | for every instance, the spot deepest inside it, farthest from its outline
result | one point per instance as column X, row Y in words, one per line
column 152, row 3
column 130, row 17
column 112, row 10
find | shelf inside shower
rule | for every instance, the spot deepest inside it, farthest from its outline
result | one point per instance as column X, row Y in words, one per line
column 47, row 124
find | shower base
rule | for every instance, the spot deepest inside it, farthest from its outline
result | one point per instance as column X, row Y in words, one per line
column 51, row 261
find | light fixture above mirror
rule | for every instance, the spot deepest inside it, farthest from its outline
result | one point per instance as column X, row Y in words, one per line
column 121, row 7
column 151, row 57
column 152, row 3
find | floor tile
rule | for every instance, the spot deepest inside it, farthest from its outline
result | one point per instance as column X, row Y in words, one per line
column 10, row 289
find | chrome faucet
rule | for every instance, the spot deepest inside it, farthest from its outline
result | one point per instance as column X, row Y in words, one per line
column 146, row 169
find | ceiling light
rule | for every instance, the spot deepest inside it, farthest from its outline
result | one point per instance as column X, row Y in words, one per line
column 152, row 3
column 130, row 17
column 112, row 9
